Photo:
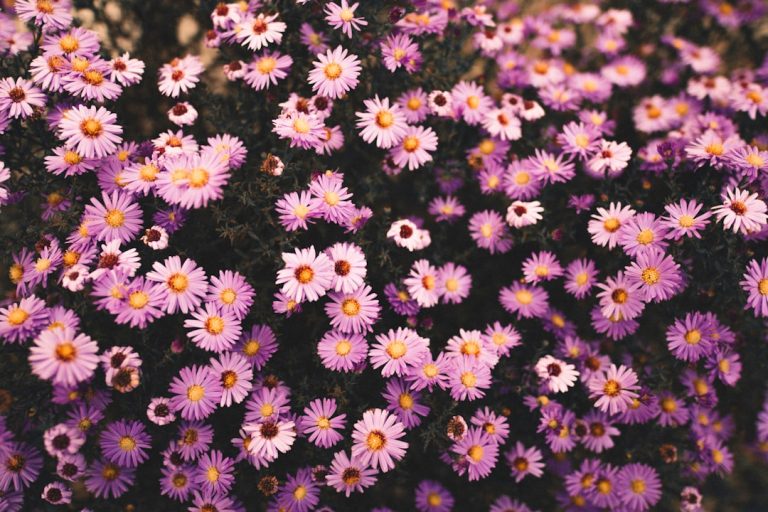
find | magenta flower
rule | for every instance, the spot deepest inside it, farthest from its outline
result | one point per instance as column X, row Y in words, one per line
column 478, row 452
column 212, row 328
column 755, row 284
column 19, row 97
column 196, row 392
column 125, row 443
column 377, row 440
column 92, row 132
column 342, row 352
column 657, row 274
column 614, row 389
column 349, row 475
column 354, row 312
column 63, row 356
column 306, row 275
column 320, row 424
column 335, row 73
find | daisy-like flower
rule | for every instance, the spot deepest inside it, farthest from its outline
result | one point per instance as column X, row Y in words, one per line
column 193, row 180
column 231, row 293
column 609, row 159
column 296, row 210
column 639, row 487
column 260, row 31
column 19, row 98
column 524, row 300
column 414, row 149
column 212, row 328
column 180, row 75
column 335, row 73
column 502, row 123
column 615, row 388
column 182, row 114
column 399, row 50
column 108, row 480
column 422, row 283
column 377, row 441
column 541, row 266
column 524, row 461
column 342, row 16
column 522, row 213
column 63, row 356
column 580, row 277
column 342, row 352
column 62, row 440
column 304, row 130
column 605, row 224
column 349, row 475
column 271, row 437
column 558, row 375
column 45, row 13
column 258, row 345
column 381, row 123
column 755, row 285
column 657, row 274
column 159, row 411
column 741, row 211
column 413, row 104
column 331, row 199
column 143, row 303
column 22, row 320
column 57, row 493
column 406, row 234
column 620, row 298
column 125, row 443
column 488, row 231
column 398, row 350
column 578, row 139
column 688, row 339
column 349, row 266
column 468, row 378
column 235, row 374
column 185, row 283
column 196, row 392
column 214, row 472
column 320, row 424
column 712, row 149
column 266, row 69
column 354, row 312
column 642, row 233
column 446, row 208
column 306, row 275
column 404, row 402
column 683, row 219
column 478, row 451
column 20, row 464
column 126, row 71
column 453, row 283
column 90, row 131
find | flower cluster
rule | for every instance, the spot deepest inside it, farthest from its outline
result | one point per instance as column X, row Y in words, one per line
column 567, row 290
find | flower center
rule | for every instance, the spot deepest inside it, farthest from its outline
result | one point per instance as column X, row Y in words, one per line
column 650, row 276
column 762, row 287
column 524, row 297
column 397, row 349
column 376, row 440
column 693, row 336
column 304, row 274
column 332, row 71
column 114, row 218
column 127, row 443
column 91, row 127
column 645, row 237
column 350, row 476
column 475, row 452
column 611, row 225
column 411, row 143
column 17, row 94
column 611, row 388
column 66, row 352
column 738, row 208
column 350, row 307
column 195, row 392
column 266, row 65
column 228, row 296
column 214, row 325
column 228, row 379
column 469, row 379
column 178, row 283
column 138, row 299
column 344, row 347
column 385, row 119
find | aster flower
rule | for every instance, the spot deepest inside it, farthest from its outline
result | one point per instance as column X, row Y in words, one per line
column 639, row 486
column 683, row 219
column 688, row 338
column 185, row 283
column 399, row 50
column 62, row 440
column 354, row 312
column 521, row 213
column 267, row 69
column 468, row 379
column 377, row 441
column 125, row 443
column 558, row 375
column 580, row 277
column 755, row 284
column 63, row 356
column 71, row 467
column 331, row 199
column 20, row 464
column 524, row 461
column 609, row 159
column 258, row 345
column 304, row 130
column 446, row 208
column 620, row 298
column 296, row 210
column 51, row 15
column 641, row 233
column 19, row 97
column 90, row 131
column 614, row 389
column 406, row 234
column 657, row 274
column 116, row 216
column 159, row 411
column 180, row 75
column 348, row 475
column 107, row 479
column 404, row 402
column 526, row 301
column 213, row 328
column 741, row 211
column 478, row 451
column 142, row 305
column 335, row 73
column 413, row 151
column 381, row 123
column 176, row 482
column 22, row 320
column 453, row 283
column 214, row 472
column 306, row 275
column 320, row 424
column 196, row 392
column 397, row 350
column 270, row 437
column 235, row 374
column 342, row 352
column 342, row 16
column 488, row 231
column 57, row 493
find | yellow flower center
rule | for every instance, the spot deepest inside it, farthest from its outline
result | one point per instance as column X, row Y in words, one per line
column 343, row 347
column 473, row 102
column 332, row 71
column 266, row 65
column 251, row 347
column 650, row 276
column 375, row 440
column 755, row 160
column 452, row 284
column 300, row 493
column 228, row 296
column 762, row 287
column 385, row 119
column 685, row 221
column 431, row 370
column 148, row 172
column 178, row 283
column 668, row 405
column 406, row 401
column 469, row 379
column 411, row 143
column 195, row 392
column 114, row 218
column 214, row 325
column 323, row 423
column 42, row 264
column 331, row 198
column 414, row 103
column 127, row 443
column 350, row 307
column 66, row 351
column 645, row 237
column 198, row 178
column 611, row 225
column 715, row 149
column 611, row 388
column 138, row 299
column 91, row 127
column 693, row 336
column 475, row 452
column 524, row 297
column 397, row 349
column 68, row 43
column 487, row 146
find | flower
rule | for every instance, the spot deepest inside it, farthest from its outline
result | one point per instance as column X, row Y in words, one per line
column 19, row 97
column 741, row 211
column 266, row 69
column 755, row 284
column 524, row 461
column 63, row 356
column 259, row 31
column 614, row 389
column 349, row 474
column 23, row 320
column 90, row 131
column 270, row 437
column 335, row 73
column 609, row 159
column 235, row 374
column 116, row 216
column 557, row 374
column 381, row 123
column 125, row 443
column 478, row 451
column 342, row 16
column 212, row 328
column 413, row 149
column 306, row 275
column 214, row 472
column 377, row 441
column 397, row 350
column 320, row 424
column 639, row 486
column 185, row 284
column 354, row 312
column 605, row 224
column 521, row 213
column 657, row 274
column 342, row 352
column 196, row 392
